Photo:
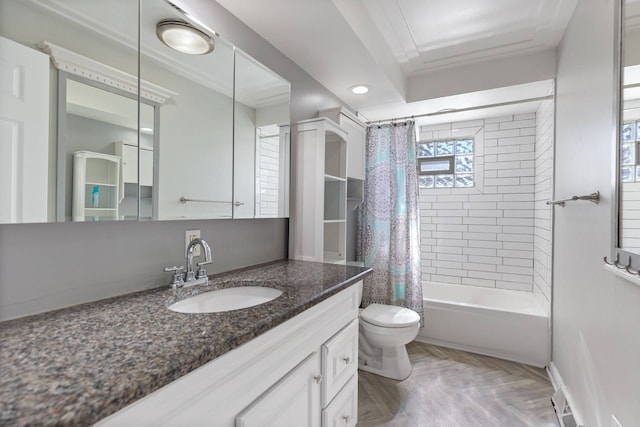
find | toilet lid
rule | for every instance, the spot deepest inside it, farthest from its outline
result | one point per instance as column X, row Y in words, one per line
column 389, row 316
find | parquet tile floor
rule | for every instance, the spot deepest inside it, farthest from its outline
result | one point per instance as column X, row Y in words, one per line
column 452, row 388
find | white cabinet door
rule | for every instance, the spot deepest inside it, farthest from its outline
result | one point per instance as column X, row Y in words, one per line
column 129, row 155
column 355, row 147
column 24, row 133
column 129, row 163
column 294, row 401
column 146, row 167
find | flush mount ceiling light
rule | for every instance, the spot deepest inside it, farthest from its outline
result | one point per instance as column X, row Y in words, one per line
column 360, row 89
column 184, row 37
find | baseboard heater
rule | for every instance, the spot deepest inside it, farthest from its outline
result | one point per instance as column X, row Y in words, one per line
column 563, row 410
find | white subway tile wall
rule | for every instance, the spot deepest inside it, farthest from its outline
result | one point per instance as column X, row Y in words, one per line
column 492, row 235
column 630, row 218
column 543, row 233
column 267, row 165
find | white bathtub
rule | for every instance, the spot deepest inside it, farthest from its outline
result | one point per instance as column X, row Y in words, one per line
column 507, row 324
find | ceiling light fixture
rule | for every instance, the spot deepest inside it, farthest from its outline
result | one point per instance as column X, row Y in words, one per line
column 184, row 37
column 360, row 89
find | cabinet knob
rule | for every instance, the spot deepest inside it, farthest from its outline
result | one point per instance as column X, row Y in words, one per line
column 346, row 359
column 318, row 378
column 345, row 418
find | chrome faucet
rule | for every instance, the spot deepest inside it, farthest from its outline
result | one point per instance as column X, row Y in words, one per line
column 191, row 277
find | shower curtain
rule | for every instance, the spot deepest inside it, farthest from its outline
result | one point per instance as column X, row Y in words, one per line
column 388, row 226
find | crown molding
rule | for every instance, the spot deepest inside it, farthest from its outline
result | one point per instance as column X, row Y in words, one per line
column 76, row 64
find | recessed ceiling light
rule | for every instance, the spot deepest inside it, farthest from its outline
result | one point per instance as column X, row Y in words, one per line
column 360, row 89
column 184, row 37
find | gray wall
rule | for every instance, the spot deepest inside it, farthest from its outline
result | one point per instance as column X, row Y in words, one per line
column 47, row 266
column 596, row 315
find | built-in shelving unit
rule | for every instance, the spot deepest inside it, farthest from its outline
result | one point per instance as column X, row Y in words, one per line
column 96, row 186
column 327, row 170
column 355, row 173
column 319, row 191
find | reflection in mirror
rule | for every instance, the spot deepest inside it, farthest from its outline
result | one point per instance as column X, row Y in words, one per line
column 77, row 141
column 101, row 123
column 101, row 32
column 195, row 139
column 261, row 141
column 629, row 154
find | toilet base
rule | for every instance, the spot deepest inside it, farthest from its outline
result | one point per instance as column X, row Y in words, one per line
column 389, row 362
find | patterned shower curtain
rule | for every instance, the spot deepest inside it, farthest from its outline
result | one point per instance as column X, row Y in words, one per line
column 388, row 226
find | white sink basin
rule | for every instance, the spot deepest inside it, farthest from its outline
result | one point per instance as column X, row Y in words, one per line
column 226, row 299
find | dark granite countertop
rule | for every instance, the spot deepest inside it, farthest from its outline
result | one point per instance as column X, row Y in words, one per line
column 77, row 365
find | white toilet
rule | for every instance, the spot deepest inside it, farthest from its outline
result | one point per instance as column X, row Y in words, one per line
column 385, row 330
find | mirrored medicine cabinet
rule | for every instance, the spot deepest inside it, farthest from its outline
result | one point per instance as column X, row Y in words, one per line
column 103, row 121
column 626, row 206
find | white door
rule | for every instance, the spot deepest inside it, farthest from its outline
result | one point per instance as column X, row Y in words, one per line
column 24, row 133
column 292, row 402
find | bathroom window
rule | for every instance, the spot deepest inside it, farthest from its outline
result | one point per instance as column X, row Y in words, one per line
column 630, row 155
column 446, row 163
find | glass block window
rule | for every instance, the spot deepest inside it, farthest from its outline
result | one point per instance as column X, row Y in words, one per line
column 630, row 152
column 446, row 163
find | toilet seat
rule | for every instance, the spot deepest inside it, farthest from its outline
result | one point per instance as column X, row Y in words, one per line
column 389, row 316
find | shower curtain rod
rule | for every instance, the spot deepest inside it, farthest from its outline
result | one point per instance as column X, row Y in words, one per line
column 460, row 110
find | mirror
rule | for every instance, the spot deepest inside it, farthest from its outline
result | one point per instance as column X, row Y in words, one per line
column 629, row 134
column 261, row 141
column 93, row 149
column 94, row 119
column 195, row 150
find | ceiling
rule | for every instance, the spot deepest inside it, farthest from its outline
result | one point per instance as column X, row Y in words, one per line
column 412, row 52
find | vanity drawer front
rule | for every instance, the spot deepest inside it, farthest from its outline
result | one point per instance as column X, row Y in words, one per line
column 343, row 411
column 339, row 361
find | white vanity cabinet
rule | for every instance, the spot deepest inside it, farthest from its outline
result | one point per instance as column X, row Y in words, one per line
column 277, row 379
column 292, row 401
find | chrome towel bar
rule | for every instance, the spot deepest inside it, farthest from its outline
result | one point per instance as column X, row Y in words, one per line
column 186, row 199
column 593, row 198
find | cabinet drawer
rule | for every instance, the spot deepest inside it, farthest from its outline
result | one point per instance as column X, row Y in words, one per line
column 339, row 361
column 343, row 411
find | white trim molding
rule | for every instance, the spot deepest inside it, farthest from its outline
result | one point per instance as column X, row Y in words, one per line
column 74, row 63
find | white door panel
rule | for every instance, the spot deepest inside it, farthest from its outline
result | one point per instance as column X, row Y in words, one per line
column 24, row 133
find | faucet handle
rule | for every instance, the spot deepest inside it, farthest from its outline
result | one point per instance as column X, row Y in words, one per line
column 177, row 279
column 202, row 270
